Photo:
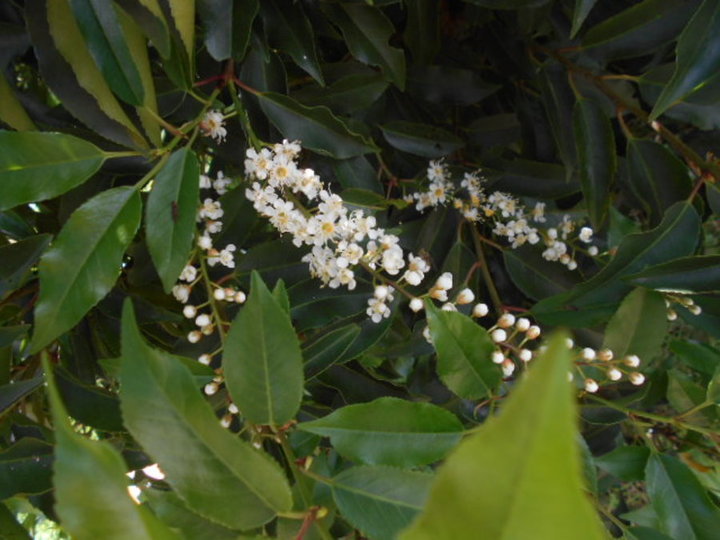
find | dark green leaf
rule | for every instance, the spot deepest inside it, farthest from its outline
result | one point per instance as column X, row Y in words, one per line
column 8, row 334
column 699, row 356
column 559, row 102
column 26, row 468
column 451, row 85
column 149, row 16
column 582, row 9
column 194, row 451
column 329, row 349
column 355, row 92
column 227, row 26
column 421, row 139
column 18, row 259
column 170, row 215
column 13, row 392
column 84, row 261
column 698, row 57
column 596, row 157
column 495, row 485
column 684, row 394
column 380, row 501
column 639, row 325
column 91, row 486
column 103, row 33
column 639, row 29
column 464, row 351
column 89, row 405
column 536, row 277
column 507, row 4
column 390, row 431
column 357, row 172
column 366, row 31
column 682, row 505
column 656, row 176
column 533, row 179
column 686, row 275
column 37, row 166
column 262, row 360
column 422, row 31
column 626, row 462
column 289, row 30
column 318, row 128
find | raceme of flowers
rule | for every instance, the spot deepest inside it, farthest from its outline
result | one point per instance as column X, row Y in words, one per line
column 511, row 219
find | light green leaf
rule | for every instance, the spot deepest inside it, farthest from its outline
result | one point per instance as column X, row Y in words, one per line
column 697, row 57
column 685, row 275
column 682, row 505
column 12, row 112
column 12, row 530
column 91, row 486
column 318, row 128
column 37, row 166
column 389, row 431
column 596, row 157
column 421, row 139
column 520, row 475
column 183, row 15
column 366, row 31
column 380, row 501
column 195, row 452
column 84, row 261
column 464, row 351
column 170, row 215
column 100, row 26
column 262, row 360
column 639, row 326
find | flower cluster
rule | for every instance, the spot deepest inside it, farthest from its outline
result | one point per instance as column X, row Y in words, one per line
column 213, row 125
column 511, row 220
column 605, row 364
column 682, row 301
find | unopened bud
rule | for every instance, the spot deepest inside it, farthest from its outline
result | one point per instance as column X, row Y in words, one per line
column 506, row 320
column 480, row 310
column 416, row 304
column 591, row 386
column 533, row 332
column 637, row 378
column 465, row 297
column 522, row 324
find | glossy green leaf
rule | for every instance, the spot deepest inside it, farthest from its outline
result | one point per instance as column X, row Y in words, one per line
column 682, row 505
column 100, row 26
column 26, row 468
column 318, row 128
column 686, row 275
column 464, row 351
column 533, row 179
column 91, row 486
column 380, row 501
column 89, row 405
column 12, row 112
column 84, row 261
column 13, row 392
column 699, row 356
column 69, row 69
column 357, row 172
column 596, row 157
column 366, row 31
column 262, row 360
column 657, row 177
column 639, row 29
column 639, row 325
column 520, row 475
column 289, row 30
column 170, row 215
column 559, row 101
column 182, row 13
column 37, row 166
column 389, row 431
column 626, row 462
column 697, row 57
column 194, row 451
column 420, row 139
column 676, row 236
column 353, row 93
column 327, row 350
column 684, row 393
column 536, row 277
column 18, row 259
column 149, row 16
column 580, row 13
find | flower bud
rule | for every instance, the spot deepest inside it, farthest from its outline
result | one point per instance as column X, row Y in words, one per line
column 605, row 355
column 498, row 335
column 448, row 307
column 233, row 409
column 533, row 332
column 591, row 386
column 465, row 297
column 632, row 360
column 225, row 421
column 202, row 320
column 508, row 367
column 637, row 378
column 588, row 354
column 189, row 311
column 498, row 357
column 593, row 250
column 614, row 374
column 522, row 324
column 671, row 315
column 211, row 388
column 480, row 310
column 205, row 359
column 525, row 355
column 445, row 281
column 240, row 297
column 416, row 304
column 219, row 294
column 506, row 320
column 695, row 309
column 194, row 336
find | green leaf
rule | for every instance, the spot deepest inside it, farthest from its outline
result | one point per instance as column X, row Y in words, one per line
column 389, row 431
column 421, row 139
column 626, row 462
column 520, row 475
column 366, row 31
column 353, row 93
column 580, row 13
column 182, row 13
column 12, row 112
column 507, row 4
column 9, row 526
column 559, row 101
column 84, row 261
column 677, row 235
column 289, row 30
column 100, row 26
column 328, row 349
column 13, row 392
column 170, row 215
column 380, row 501
column 194, row 450
column 596, row 157
column 149, row 16
column 639, row 326
column 18, row 259
column 91, row 486
column 262, row 360
column 533, row 179
column 684, row 394
column 26, row 468
column 464, row 351
column 685, row 275
column 536, row 277
column 638, row 30
column 449, row 85
column 317, row 127
column 422, row 31
column 657, row 177
column 699, row 356
column 37, row 166
column 697, row 57
column 70, row 71
column 682, row 505
column 89, row 405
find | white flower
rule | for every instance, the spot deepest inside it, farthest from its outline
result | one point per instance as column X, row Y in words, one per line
column 416, row 270
column 445, row 281
column 416, row 304
column 181, row 293
column 189, row 311
column 585, row 234
column 498, row 335
column 224, row 257
column 221, row 183
column 213, row 125
column 593, row 250
column 205, row 182
column 204, row 242
column 188, row 274
column 437, row 171
column 210, row 209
